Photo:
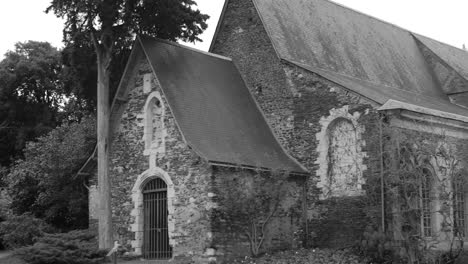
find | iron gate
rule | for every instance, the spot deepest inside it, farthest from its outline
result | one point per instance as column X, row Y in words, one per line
column 155, row 232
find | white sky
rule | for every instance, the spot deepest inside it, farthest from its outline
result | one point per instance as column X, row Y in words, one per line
column 446, row 21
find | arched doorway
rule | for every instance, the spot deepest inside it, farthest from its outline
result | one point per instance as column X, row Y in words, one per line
column 155, row 224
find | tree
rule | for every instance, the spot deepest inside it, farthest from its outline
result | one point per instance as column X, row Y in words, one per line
column 43, row 183
column 79, row 73
column 29, row 83
column 111, row 25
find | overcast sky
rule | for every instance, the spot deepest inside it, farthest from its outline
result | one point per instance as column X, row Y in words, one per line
column 446, row 21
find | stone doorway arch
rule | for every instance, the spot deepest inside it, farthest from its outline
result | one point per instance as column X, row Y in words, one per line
column 138, row 211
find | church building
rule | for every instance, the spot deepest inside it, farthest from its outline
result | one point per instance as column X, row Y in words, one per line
column 238, row 150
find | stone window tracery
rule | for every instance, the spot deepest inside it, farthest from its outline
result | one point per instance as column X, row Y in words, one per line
column 340, row 152
column 154, row 124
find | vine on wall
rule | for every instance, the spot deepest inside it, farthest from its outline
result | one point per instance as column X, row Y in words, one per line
column 417, row 184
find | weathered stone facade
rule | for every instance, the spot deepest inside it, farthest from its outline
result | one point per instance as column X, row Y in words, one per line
column 340, row 154
column 296, row 103
column 443, row 159
column 133, row 160
column 303, row 109
column 228, row 238
column 327, row 128
column 143, row 148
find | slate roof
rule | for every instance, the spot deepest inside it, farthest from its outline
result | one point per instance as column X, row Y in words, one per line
column 215, row 112
column 374, row 58
column 455, row 58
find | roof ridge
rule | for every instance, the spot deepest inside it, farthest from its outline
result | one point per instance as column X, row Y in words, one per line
column 184, row 47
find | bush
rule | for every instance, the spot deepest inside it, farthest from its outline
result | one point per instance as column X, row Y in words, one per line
column 377, row 246
column 44, row 182
column 74, row 247
column 4, row 203
column 23, row 230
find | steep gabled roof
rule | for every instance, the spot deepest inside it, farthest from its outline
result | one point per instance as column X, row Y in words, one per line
column 214, row 110
column 331, row 37
column 374, row 58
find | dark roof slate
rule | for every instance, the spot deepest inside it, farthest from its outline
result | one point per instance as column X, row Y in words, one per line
column 454, row 57
column 374, row 58
column 329, row 36
column 214, row 109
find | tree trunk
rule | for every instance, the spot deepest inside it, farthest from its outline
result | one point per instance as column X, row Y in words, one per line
column 105, row 214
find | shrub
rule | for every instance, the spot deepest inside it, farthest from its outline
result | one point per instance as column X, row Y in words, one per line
column 377, row 246
column 44, row 182
column 3, row 208
column 22, row 230
column 74, row 247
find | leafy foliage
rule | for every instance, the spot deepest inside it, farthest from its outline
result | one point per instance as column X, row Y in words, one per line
column 79, row 73
column 22, row 230
column 29, row 83
column 44, row 182
column 75, row 247
column 378, row 246
column 168, row 19
column 419, row 172
column 110, row 26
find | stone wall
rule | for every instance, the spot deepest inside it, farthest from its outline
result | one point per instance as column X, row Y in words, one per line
column 441, row 160
column 246, row 196
column 308, row 114
column 196, row 191
column 187, row 176
column 296, row 102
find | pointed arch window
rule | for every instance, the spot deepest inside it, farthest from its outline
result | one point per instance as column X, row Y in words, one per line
column 154, row 124
column 343, row 171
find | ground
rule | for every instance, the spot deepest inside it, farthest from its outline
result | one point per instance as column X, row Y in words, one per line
column 7, row 257
column 316, row 256
column 303, row 256
column 300, row 256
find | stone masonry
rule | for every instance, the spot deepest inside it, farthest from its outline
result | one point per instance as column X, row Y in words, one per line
column 296, row 104
column 147, row 144
column 325, row 127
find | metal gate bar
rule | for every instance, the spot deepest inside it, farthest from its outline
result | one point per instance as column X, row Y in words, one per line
column 155, row 232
